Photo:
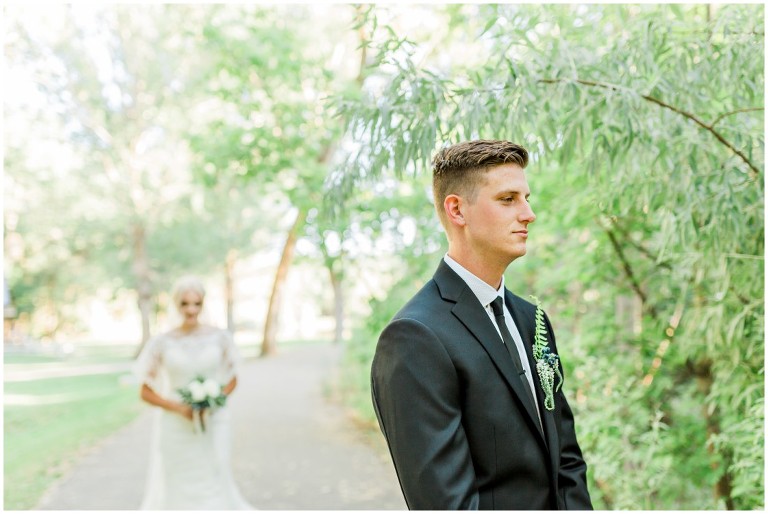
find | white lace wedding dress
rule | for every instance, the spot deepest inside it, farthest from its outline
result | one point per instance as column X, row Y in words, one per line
column 190, row 469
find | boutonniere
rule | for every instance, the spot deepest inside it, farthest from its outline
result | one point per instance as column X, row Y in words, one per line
column 546, row 361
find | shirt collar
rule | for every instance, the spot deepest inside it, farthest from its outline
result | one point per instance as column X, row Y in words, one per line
column 484, row 292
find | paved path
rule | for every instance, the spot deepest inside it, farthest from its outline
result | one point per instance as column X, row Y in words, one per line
column 291, row 448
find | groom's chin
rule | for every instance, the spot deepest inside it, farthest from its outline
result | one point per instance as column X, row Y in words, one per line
column 518, row 252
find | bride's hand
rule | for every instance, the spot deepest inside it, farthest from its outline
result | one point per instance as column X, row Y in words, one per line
column 185, row 411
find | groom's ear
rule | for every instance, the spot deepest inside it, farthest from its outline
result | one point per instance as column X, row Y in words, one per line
column 454, row 206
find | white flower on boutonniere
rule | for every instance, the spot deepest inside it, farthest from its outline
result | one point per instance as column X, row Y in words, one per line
column 547, row 363
column 202, row 393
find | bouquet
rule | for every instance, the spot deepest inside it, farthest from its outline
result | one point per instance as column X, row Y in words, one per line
column 202, row 393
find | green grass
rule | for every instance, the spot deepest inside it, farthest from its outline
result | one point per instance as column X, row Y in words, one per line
column 84, row 353
column 29, row 359
column 42, row 440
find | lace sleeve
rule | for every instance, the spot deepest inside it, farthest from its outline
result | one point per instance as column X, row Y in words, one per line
column 148, row 365
column 230, row 361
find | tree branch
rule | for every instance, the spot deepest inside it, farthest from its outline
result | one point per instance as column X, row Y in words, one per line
column 726, row 114
column 665, row 264
column 642, row 249
column 630, row 273
column 685, row 114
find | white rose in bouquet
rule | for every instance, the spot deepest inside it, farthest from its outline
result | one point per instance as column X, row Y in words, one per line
column 198, row 391
column 211, row 388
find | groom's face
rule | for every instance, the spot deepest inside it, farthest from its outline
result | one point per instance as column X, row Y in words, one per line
column 498, row 217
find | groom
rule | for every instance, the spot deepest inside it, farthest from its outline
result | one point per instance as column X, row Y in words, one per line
column 455, row 387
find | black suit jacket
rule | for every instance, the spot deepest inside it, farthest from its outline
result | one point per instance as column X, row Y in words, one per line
column 461, row 429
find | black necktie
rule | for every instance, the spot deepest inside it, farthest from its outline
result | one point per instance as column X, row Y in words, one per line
column 498, row 311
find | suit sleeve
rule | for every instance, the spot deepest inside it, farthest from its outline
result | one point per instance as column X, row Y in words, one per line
column 572, row 475
column 416, row 395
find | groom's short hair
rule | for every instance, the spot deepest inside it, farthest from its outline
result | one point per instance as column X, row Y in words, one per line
column 458, row 169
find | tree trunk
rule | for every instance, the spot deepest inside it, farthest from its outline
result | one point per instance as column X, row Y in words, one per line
column 141, row 272
column 607, row 496
column 704, row 379
column 338, row 304
column 229, row 288
column 270, row 325
column 273, row 312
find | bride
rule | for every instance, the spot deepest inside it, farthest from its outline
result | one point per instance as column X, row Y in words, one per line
column 190, row 450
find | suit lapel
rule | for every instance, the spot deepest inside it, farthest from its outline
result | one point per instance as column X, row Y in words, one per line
column 472, row 315
column 527, row 329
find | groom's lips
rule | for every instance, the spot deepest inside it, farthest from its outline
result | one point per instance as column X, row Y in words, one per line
column 523, row 233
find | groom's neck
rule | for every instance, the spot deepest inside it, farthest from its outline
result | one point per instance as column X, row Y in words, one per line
column 488, row 270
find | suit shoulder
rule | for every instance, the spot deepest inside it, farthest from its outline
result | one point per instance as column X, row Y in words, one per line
column 422, row 306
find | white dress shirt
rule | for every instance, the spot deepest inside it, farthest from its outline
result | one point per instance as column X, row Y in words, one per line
column 486, row 294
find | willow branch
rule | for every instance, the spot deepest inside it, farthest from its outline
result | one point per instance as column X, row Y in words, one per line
column 743, row 299
column 737, row 111
column 708, row 127
column 642, row 249
column 629, row 272
column 666, row 265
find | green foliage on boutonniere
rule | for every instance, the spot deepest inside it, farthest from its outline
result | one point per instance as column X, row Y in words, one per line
column 546, row 361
